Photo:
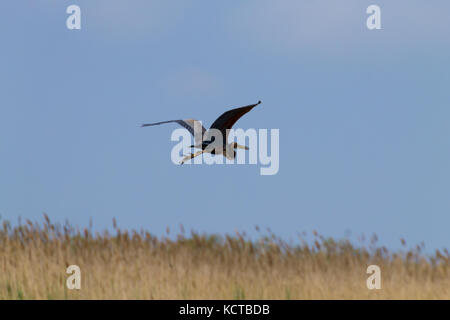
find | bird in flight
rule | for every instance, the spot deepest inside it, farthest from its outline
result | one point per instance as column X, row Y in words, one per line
column 206, row 139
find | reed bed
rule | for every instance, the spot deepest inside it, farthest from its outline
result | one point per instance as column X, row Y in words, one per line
column 137, row 265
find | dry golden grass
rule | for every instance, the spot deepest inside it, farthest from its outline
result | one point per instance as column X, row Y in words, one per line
column 137, row 265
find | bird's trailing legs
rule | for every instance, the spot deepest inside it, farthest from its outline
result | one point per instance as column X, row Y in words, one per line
column 192, row 155
column 238, row 146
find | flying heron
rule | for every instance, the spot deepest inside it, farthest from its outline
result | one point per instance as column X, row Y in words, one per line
column 205, row 139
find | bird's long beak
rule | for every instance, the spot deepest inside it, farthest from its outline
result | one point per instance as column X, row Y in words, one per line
column 238, row 146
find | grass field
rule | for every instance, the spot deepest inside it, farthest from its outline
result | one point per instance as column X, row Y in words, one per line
column 137, row 265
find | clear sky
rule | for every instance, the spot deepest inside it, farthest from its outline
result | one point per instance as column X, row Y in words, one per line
column 364, row 116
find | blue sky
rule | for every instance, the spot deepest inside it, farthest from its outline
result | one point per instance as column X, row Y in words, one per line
column 364, row 116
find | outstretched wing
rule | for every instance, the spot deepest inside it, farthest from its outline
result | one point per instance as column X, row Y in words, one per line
column 229, row 118
column 193, row 126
